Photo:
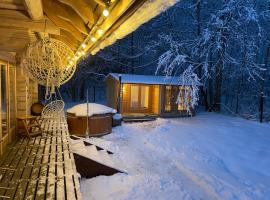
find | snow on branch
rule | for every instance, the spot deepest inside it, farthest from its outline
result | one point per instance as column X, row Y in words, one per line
column 189, row 96
column 172, row 61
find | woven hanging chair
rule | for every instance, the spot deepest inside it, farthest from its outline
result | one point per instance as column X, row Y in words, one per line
column 48, row 62
column 53, row 110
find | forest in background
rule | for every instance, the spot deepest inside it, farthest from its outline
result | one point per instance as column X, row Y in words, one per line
column 225, row 43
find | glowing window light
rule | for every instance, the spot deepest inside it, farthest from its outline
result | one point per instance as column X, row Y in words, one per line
column 83, row 46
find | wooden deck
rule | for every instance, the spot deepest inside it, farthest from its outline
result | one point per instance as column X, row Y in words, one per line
column 41, row 167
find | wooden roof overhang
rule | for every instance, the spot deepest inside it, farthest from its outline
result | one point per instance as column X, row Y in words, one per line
column 74, row 22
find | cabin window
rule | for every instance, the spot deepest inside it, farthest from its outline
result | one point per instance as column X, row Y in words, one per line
column 144, row 96
column 182, row 91
column 168, row 95
column 134, row 96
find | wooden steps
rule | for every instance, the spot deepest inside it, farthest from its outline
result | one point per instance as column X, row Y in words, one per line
column 139, row 117
column 41, row 167
column 92, row 160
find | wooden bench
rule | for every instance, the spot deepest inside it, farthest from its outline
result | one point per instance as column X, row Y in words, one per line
column 41, row 167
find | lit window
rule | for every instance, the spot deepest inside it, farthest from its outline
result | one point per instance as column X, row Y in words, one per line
column 168, row 95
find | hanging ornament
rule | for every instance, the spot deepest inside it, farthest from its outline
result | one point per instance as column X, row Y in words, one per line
column 48, row 62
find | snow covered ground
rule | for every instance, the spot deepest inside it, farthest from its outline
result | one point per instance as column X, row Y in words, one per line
column 210, row 156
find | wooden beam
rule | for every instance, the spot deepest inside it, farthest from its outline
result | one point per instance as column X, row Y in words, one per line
column 63, row 24
column 66, row 41
column 100, row 2
column 13, row 33
column 12, row 4
column 65, row 12
column 83, row 9
column 34, row 9
column 8, row 56
column 18, row 19
column 71, row 38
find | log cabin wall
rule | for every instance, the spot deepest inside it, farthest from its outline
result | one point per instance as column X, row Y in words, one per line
column 27, row 93
column 112, row 92
column 23, row 98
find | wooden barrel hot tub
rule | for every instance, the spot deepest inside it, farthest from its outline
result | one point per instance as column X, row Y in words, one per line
column 99, row 124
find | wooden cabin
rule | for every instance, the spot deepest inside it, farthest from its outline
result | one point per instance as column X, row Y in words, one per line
column 143, row 95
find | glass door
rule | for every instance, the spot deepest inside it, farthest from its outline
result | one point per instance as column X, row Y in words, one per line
column 4, row 101
column 139, row 98
column 144, row 104
column 134, row 97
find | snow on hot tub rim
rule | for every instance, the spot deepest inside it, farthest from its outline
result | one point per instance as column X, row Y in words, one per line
column 80, row 110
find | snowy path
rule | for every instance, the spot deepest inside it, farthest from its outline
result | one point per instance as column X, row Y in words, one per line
column 209, row 156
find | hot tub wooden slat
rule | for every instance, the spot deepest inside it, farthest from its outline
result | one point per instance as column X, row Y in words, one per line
column 98, row 125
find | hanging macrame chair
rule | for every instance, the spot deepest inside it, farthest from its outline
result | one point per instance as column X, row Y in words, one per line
column 49, row 63
column 54, row 108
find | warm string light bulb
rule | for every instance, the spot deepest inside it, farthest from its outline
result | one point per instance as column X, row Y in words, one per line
column 105, row 12
column 100, row 31
column 93, row 39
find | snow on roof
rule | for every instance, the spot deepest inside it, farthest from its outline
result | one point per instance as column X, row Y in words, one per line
column 80, row 110
column 147, row 79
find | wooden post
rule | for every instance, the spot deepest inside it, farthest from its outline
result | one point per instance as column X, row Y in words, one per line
column 119, row 94
column 1, row 134
column 94, row 94
column 87, row 118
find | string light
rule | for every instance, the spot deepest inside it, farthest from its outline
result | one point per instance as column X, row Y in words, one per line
column 93, row 39
column 100, row 31
column 105, row 12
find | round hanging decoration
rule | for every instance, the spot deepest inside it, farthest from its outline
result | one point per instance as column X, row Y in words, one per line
column 48, row 62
